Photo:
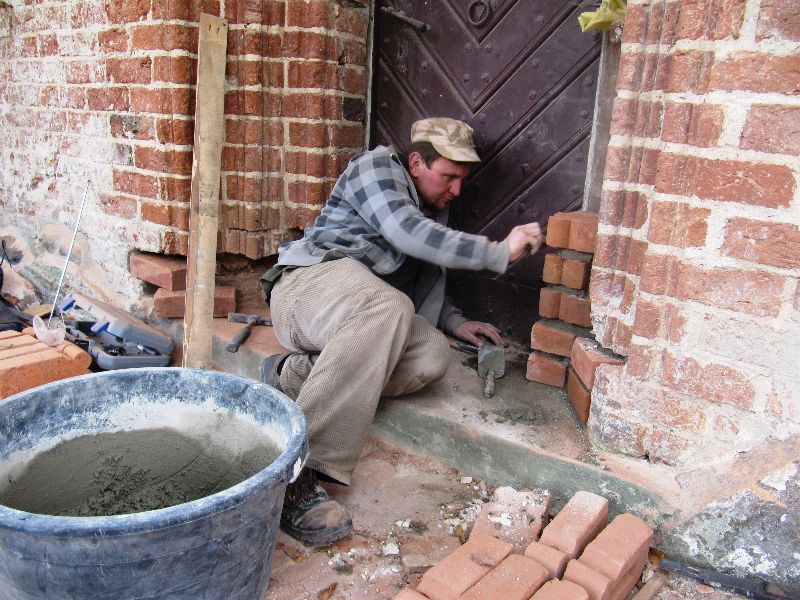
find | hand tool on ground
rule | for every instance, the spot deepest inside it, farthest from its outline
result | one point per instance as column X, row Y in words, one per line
column 251, row 321
column 491, row 366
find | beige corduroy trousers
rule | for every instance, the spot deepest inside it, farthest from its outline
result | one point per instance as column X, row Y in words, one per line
column 354, row 338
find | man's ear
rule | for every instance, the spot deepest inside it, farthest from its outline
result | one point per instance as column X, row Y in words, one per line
column 415, row 163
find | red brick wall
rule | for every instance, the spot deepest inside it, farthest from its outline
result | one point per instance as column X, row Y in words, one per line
column 104, row 90
column 695, row 277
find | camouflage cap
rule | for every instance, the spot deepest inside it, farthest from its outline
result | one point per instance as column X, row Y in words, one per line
column 451, row 138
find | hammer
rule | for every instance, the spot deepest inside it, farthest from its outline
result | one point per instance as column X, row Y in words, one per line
column 244, row 333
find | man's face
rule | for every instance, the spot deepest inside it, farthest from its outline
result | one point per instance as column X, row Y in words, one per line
column 439, row 184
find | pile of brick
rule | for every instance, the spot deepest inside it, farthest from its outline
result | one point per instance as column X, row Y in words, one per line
column 564, row 352
column 25, row 362
column 169, row 274
column 579, row 556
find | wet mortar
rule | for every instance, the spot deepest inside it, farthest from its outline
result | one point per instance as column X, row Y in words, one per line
column 128, row 472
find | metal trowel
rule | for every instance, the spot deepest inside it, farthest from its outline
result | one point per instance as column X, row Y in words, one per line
column 491, row 366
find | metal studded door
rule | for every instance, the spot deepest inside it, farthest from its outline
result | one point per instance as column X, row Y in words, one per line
column 524, row 76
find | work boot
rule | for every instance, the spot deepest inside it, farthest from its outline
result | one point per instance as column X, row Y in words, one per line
column 271, row 370
column 309, row 515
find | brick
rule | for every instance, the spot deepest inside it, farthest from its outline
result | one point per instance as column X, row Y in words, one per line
column 28, row 363
column 176, row 162
column 710, row 19
column 549, row 302
column 698, row 125
column 763, row 242
column 516, row 517
column 742, row 290
column 576, row 310
column 581, row 519
column 771, row 128
column 548, row 336
column 547, row 369
column 558, row 230
column 420, row 554
column 771, row 186
column 708, row 381
column 586, row 356
column 553, row 266
column 678, row 224
column 619, row 547
column 127, row 12
column 561, row 590
column 408, row 594
column 583, row 231
column 552, row 559
column 463, row 568
column 128, row 70
column 172, row 304
column 756, row 72
column 112, row 98
column 164, row 37
column 516, row 578
column 579, row 396
column 780, row 19
column 168, row 272
column 575, row 273
column 597, row 585
column 625, row 585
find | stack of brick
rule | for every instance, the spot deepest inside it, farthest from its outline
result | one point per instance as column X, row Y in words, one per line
column 565, row 308
column 25, row 362
column 578, row 557
column 169, row 274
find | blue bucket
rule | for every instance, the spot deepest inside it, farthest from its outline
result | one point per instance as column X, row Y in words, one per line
column 219, row 546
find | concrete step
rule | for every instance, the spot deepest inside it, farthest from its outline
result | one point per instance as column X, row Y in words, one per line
column 527, row 435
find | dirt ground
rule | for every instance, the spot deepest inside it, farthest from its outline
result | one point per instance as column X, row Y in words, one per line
column 408, row 512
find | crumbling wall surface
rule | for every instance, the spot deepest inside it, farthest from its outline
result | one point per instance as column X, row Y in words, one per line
column 695, row 276
column 102, row 91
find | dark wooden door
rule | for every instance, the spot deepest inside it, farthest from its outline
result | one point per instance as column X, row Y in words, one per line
column 524, row 76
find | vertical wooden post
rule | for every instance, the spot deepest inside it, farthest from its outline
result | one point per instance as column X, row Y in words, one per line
column 209, row 131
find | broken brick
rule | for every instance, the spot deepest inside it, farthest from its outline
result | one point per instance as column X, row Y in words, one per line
column 516, row 517
column 168, row 272
column 581, row 519
column 553, row 266
column 172, row 304
column 552, row 337
column 558, row 226
column 460, row 570
column 549, row 303
column 586, row 356
column 619, row 546
column 408, row 594
column 579, row 396
column 516, row 578
column 583, row 231
column 575, row 309
column 25, row 362
column 597, row 585
column 575, row 273
column 560, row 590
column 552, row 559
column 546, row 368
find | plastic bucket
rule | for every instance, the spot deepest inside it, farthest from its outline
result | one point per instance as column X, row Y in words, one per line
column 216, row 547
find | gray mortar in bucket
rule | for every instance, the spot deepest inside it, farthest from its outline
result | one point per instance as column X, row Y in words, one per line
column 130, row 432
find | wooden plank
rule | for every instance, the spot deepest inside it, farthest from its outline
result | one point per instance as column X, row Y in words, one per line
column 209, row 132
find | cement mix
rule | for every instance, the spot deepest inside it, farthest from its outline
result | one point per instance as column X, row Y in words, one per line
column 129, row 471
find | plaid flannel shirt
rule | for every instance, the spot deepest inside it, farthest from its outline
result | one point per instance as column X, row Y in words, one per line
column 374, row 215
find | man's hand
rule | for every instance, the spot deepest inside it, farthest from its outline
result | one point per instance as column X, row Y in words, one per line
column 469, row 331
column 524, row 240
